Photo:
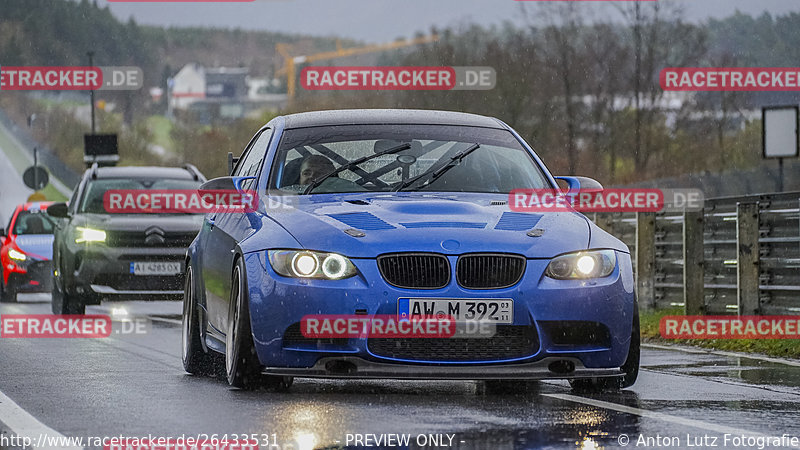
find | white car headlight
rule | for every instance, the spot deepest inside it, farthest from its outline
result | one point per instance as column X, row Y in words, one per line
column 17, row 255
column 89, row 235
column 582, row 265
column 311, row 264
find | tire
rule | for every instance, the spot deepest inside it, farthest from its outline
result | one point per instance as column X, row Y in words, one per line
column 8, row 293
column 196, row 360
column 63, row 303
column 630, row 366
column 242, row 366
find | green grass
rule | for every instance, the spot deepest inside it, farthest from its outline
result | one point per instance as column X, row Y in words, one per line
column 53, row 194
column 785, row 348
column 160, row 126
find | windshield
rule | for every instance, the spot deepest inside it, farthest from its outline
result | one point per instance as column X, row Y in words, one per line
column 33, row 222
column 309, row 155
column 92, row 201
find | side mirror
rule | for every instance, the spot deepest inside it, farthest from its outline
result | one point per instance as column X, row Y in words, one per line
column 58, row 210
column 218, row 184
column 2, row 232
column 575, row 184
column 219, row 190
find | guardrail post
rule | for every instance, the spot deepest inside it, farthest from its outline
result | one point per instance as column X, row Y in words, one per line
column 747, row 258
column 693, row 263
column 603, row 221
column 646, row 259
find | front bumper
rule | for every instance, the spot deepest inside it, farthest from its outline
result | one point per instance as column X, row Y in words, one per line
column 105, row 272
column 34, row 276
column 356, row 367
column 550, row 309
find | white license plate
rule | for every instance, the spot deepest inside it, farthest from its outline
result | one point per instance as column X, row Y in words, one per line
column 156, row 268
column 461, row 310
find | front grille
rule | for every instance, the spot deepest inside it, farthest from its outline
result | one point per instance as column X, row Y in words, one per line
column 293, row 337
column 509, row 342
column 140, row 239
column 415, row 270
column 489, row 271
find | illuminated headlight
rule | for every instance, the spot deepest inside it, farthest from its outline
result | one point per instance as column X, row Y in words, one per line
column 582, row 265
column 89, row 235
column 311, row 264
column 17, row 255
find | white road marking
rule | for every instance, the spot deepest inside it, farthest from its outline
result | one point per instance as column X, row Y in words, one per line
column 22, row 423
column 720, row 429
column 787, row 362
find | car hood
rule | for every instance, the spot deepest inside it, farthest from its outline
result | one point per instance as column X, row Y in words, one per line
column 38, row 246
column 442, row 223
column 141, row 222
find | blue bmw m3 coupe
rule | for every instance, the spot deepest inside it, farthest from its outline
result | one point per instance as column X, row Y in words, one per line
column 401, row 213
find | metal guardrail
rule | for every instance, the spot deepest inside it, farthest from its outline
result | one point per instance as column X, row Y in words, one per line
column 739, row 255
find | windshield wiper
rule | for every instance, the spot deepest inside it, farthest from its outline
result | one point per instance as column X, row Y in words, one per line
column 354, row 163
column 454, row 161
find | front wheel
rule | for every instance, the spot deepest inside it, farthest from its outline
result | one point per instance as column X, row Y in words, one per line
column 241, row 361
column 630, row 367
column 195, row 359
column 64, row 303
column 8, row 292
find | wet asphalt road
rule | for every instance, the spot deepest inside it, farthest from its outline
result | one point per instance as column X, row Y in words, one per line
column 133, row 385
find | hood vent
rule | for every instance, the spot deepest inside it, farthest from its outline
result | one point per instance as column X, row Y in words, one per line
column 514, row 221
column 362, row 221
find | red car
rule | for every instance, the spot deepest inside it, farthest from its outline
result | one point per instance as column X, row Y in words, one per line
column 26, row 250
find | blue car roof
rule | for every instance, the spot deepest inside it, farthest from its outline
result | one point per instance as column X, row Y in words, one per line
column 388, row 116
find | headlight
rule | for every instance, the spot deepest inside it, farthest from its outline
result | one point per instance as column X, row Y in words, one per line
column 19, row 256
column 582, row 265
column 89, row 235
column 311, row 264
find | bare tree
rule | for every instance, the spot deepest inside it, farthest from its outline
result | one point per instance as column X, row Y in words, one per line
column 660, row 38
column 562, row 25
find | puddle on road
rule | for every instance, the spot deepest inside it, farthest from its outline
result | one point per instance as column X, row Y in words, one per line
column 736, row 368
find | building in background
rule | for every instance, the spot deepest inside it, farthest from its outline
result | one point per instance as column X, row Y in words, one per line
column 220, row 93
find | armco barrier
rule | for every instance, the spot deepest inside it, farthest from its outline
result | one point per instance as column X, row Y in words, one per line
column 739, row 255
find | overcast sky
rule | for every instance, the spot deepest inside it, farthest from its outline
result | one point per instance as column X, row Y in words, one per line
column 380, row 20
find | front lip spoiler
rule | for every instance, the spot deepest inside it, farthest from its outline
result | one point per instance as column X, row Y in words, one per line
column 363, row 369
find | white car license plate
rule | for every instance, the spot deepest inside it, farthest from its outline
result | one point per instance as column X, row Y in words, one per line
column 156, row 268
column 499, row 310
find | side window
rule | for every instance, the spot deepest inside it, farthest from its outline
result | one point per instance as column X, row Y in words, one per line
column 248, row 167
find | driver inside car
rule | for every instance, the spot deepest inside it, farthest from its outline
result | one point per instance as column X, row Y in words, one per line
column 314, row 168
